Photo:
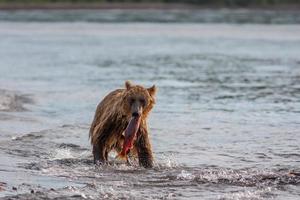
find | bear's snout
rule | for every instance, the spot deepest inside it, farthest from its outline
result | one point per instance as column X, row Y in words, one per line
column 136, row 114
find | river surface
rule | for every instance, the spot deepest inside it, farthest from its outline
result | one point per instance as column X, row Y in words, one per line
column 226, row 123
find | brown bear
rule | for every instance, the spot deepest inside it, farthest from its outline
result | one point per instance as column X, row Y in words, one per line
column 114, row 115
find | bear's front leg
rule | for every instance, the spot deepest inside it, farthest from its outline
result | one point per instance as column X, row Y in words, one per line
column 144, row 149
column 99, row 154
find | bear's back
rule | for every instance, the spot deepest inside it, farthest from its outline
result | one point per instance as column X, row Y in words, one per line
column 106, row 106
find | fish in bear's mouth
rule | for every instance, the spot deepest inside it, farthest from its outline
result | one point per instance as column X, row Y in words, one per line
column 130, row 136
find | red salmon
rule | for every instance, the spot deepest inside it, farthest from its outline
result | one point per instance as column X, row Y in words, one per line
column 130, row 134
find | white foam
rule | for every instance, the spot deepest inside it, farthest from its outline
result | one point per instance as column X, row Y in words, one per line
column 61, row 154
column 77, row 191
column 184, row 175
column 247, row 194
column 167, row 161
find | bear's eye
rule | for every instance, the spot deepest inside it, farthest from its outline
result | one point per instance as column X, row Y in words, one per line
column 143, row 102
column 131, row 101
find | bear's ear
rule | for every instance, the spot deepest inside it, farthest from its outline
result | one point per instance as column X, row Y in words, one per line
column 128, row 85
column 152, row 90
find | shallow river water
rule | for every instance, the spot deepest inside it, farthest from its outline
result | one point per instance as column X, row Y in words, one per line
column 225, row 126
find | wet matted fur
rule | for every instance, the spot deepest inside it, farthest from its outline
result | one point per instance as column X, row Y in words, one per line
column 111, row 119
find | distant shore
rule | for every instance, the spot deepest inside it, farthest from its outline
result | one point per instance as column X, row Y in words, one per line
column 141, row 6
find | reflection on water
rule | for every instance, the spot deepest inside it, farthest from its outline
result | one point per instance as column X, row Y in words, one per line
column 225, row 125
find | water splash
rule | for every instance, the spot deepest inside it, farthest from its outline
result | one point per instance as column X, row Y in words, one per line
column 184, row 175
column 13, row 102
column 166, row 161
column 59, row 154
column 249, row 194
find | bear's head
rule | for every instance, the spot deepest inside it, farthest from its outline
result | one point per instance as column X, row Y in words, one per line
column 138, row 100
